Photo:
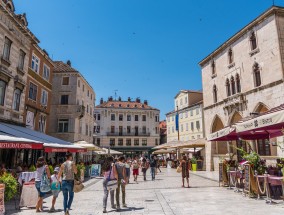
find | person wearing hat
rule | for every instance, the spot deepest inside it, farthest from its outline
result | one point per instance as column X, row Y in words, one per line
column 55, row 189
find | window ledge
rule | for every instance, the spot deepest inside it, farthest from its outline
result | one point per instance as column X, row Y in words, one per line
column 231, row 65
column 213, row 75
column 5, row 61
column 253, row 52
column 20, row 71
column 29, row 99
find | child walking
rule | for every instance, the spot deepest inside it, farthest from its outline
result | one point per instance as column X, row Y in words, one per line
column 55, row 189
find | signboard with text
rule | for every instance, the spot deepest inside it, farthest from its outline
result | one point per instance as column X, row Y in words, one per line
column 95, row 170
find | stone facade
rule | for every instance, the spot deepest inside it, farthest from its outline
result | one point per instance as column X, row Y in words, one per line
column 129, row 126
column 243, row 77
column 15, row 43
column 72, row 105
column 38, row 90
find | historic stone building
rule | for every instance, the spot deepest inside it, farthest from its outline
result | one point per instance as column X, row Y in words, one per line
column 38, row 90
column 241, row 78
column 15, row 43
column 188, row 107
column 128, row 126
column 72, row 105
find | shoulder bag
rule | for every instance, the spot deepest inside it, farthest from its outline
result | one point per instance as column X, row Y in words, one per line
column 111, row 183
column 45, row 182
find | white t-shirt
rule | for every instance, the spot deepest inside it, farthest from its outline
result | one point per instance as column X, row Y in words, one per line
column 54, row 178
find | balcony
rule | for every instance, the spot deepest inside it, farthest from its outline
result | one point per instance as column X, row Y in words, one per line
column 131, row 134
column 78, row 110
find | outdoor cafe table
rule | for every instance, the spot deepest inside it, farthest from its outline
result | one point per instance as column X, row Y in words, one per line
column 26, row 177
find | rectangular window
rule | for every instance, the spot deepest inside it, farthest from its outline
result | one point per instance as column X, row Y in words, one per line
column 112, row 129
column 120, row 117
column 136, row 131
column 42, row 123
column 169, row 119
column 136, row 142
column 99, row 117
column 144, row 118
column 186, row 126
column 136, row 118
column 144, row 129
column 83, row 87
column 197, row 111
column 181, row 127
column 46, row 72
column 120, row 142
column 7, row 49
column 63, row 125
column 79, row 83
column 35, row 63
column 128, row 129
column 2, row 92
column 181, row 115
column 44, row 98
column 33, row 91
column 98, row 141
column 157, row 118
column 156, row 142
column 21, row 60
column 112, row 117
column 191, row 112
column 128, row 118
column 197, row 125
column 186, row 114
column 65, row 80
column 17, row 100
column 64, row 99
column 120, row 130
column 88, row 93
column 173, row 118
column 144, row 142
column 192, row 126
column 112, row 142
column 263, row 147
column 173, row 129
column 192, row 137
column 128, row 142
column 87, row 130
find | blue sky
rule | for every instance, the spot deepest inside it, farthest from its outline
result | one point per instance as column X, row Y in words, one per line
column 142, row 48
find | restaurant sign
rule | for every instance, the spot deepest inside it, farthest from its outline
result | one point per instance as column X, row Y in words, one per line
column 218, row 134
column 19, row 145
column 261, row 121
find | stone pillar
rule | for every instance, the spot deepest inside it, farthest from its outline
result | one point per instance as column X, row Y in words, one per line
column 209, row 156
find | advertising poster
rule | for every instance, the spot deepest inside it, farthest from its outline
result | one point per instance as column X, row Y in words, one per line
column 95, row 170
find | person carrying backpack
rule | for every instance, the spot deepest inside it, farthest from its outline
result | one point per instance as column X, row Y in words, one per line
column 153, row 164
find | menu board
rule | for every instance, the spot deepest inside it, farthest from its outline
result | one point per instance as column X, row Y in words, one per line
column 2, row 205
column 95, row 170
column 29, row 195
column 220, row 173
column 247, row 178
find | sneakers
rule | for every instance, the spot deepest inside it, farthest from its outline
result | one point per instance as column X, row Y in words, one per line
column 113, row 206
column 52, row 210
column 124, row 205
column 104, row 210
column 67, row 212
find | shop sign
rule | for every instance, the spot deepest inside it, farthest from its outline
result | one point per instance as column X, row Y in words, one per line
column 95, row 170
column 13, row 145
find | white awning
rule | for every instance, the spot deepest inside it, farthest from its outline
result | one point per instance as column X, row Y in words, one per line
column 88, row 146
column 223, row 134
column 108, row 151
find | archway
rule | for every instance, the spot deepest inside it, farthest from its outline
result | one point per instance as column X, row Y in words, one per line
column 261, row 108
column 220, row 146
column 235, row 117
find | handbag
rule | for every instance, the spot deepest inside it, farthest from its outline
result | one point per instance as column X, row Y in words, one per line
column 45, row 183
column 78, row 186
column 111, row 183
column 179, row 169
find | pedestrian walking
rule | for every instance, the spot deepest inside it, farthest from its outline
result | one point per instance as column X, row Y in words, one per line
column 41, row 169
column 144, row 167
column 110, row 173
column 153, row 164
column 67, row 169
column 55, row 189
column 158, row 165
column 121, row 182
column 135, row 167
column 127, row 169
column 186, row 166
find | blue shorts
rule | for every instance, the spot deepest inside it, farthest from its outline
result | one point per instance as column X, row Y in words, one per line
column 37, row 185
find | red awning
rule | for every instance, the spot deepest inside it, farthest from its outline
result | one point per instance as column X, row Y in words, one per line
column 49, row 148
column 20, row 145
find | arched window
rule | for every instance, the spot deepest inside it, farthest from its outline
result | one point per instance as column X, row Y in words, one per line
column 215, row 99
column 233, row 85
column 213, row 67
column 253, row 43
column 230, row 56
column 238, row 83
column 228, row 87
column 2, row 92
column 256, row 73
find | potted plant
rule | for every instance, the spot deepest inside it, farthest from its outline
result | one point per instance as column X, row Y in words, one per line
column 193, row 163
column 32, row 168
column 10, row 186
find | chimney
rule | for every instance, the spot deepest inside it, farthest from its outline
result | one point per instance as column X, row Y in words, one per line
column 138, row 100
column 110, row 98
column 145, row 102
column 69, row 63
column 129, row 99
column 101, row 101
column 119, row 99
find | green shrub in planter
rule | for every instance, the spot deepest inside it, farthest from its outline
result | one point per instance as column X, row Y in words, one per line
column 10, row 186
column 193, row 160
column 51, row 170
column 32, row 168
